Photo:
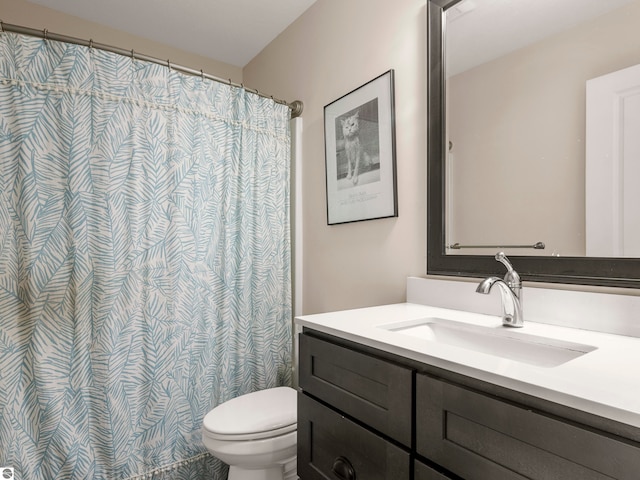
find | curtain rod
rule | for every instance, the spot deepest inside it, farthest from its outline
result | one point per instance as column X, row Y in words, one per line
column 296, row 106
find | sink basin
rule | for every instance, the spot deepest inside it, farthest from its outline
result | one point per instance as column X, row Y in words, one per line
column 500, row 341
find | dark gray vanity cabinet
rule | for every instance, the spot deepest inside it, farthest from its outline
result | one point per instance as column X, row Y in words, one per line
column 364, row 414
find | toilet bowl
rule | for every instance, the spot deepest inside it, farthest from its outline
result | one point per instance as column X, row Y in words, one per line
column 255, row 434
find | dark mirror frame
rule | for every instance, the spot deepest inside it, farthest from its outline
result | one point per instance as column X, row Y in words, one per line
column 613, row 272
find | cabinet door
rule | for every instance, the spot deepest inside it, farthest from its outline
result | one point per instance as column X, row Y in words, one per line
column 333, row 447
column 480, row 437
column 374, row 391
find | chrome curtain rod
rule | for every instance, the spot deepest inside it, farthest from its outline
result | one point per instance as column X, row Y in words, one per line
column 535, row 246
column 296, row 106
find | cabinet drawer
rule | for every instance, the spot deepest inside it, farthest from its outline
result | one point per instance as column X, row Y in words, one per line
column 481, row 437
column 337, row 448
column 371, row 390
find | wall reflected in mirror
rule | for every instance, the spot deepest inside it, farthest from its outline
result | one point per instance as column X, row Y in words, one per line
column 536, row 152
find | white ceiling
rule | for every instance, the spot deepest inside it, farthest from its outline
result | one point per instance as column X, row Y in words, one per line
column 482, row 30
column 235, row 31
column 230, row 31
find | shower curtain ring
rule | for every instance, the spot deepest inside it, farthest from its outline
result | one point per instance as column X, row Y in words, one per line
column 46, row 34
column 91, row 43
column 133, row 54
column 201, row 74
column 1, row 27
column 169, row 64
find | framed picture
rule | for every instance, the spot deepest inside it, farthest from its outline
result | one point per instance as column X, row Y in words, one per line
column 359, row 137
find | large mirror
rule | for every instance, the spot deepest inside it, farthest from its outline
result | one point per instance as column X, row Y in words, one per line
column 534, row 109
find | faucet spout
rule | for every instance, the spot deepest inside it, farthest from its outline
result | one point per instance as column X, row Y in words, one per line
column 486, row 284
column 511, row 304
column 510, row 293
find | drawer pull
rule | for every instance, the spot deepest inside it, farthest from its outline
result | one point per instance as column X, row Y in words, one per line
column 343, row 469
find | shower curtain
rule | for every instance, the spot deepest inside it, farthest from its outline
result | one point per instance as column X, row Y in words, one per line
column 144, row 261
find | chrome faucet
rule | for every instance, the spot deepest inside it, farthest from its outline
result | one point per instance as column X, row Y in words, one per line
column 510, row 290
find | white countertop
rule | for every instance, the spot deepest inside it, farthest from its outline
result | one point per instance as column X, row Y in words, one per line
column 604, row 382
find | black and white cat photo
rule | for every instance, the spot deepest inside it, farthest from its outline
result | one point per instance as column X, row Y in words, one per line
column 352, row 145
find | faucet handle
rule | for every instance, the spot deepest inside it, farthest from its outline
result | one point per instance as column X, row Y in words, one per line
column 511, row 278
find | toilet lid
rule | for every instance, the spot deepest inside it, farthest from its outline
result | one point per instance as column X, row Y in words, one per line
column 261, row 414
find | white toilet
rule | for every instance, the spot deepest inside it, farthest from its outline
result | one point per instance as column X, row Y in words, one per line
column 255, row 434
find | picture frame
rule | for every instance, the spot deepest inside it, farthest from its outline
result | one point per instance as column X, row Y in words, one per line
column 360, row 157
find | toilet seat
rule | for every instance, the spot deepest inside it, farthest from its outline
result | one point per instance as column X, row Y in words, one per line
column 258, row 415
column 251, row 436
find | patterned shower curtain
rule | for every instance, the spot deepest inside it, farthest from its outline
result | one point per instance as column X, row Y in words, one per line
column 144, row 261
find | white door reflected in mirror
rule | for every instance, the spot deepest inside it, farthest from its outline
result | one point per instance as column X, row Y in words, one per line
column 613, row 164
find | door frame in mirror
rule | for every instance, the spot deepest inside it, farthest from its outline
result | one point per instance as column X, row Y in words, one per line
column 612, row 272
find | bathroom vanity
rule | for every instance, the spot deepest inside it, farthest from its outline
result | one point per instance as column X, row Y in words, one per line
column 390, row 392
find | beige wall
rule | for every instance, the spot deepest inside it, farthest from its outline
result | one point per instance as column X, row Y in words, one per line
column 26, row 14
column 333, row 48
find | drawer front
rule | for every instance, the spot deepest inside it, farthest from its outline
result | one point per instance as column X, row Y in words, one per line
column 371, row 390
column 333, row 447
column 424, row 472
column 480, row 437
